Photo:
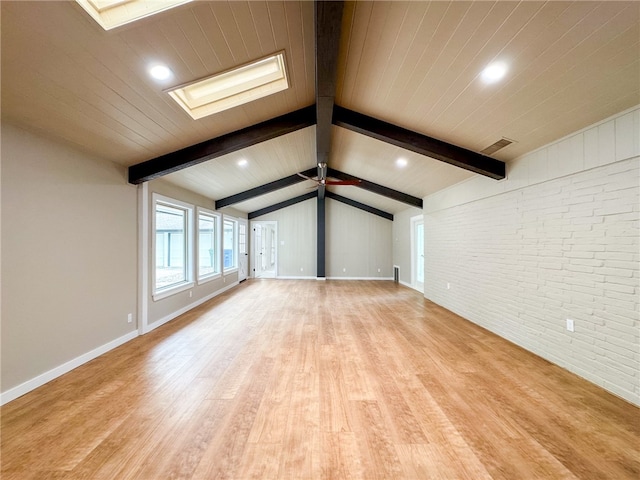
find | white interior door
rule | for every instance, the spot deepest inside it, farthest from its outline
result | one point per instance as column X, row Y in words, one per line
column 417, row 253
column 243, row 250
column 264, row 249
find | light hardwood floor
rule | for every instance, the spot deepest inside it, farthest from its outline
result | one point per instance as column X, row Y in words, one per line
column 319, row 380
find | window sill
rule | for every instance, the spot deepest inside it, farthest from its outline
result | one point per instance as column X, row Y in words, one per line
column 231, row 270
column 164, row 293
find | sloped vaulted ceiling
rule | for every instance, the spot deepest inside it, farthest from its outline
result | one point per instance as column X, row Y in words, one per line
column 414, row 65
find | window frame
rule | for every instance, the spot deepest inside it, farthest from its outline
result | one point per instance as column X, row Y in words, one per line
column 217, row 248
column 164, row 292
column 235, row 267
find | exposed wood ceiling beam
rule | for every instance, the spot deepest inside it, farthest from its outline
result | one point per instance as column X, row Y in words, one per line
column 281, row 205
column 378, row 189
column 264, row 189
column 419, row 143
column 361, row 206
column 328, row 19
column 216, row 147
column 328, row 23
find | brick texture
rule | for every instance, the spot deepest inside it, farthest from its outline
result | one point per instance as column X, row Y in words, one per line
column 521, row 262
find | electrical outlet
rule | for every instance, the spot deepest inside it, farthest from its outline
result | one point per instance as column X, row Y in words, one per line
column 378, row 270
column 570, row 325
column 344, row 269
column 448, row 286
column 130, row 318
column 302, row 269
column 190, row 294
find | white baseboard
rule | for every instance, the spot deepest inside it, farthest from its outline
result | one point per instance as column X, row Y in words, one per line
column 29, row 385
column 56, row 372
column 288, row 277
column 177, row 313
column 360, row 278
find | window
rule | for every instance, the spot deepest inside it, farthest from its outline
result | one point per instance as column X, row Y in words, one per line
column 232, row 88
column 114, row 13
column 172, row 255
column 230, row 249
column 208, row 245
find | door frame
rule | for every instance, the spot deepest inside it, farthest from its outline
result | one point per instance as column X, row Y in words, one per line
column 415, row 221
column 241, row 278
column 253, row 258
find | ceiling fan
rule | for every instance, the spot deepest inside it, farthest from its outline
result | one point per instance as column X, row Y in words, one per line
column 321, row 180
column 324, row 181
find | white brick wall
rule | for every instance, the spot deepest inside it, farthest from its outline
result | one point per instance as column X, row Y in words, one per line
column 529, row 252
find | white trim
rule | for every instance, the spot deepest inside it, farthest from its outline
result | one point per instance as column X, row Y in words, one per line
column 188, row 245
column 185, row 309
column 58, row 371
column 234, row 268
column 321, row 279
column 244, row 222
column 293, row 277
column 414, row 222
column 217, row 218
column 360, row 278
column 143, row 257
column 176, row 288
column 255, row 257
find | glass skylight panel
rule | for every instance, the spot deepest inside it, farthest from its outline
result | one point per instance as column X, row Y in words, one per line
column 233, row 88
column 114, row 13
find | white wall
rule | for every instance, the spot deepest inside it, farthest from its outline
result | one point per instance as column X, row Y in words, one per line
column 358, row 244
column 558, row 239
column 356, row 241
column 402, row 242
column 68, row 258
column 297, row 230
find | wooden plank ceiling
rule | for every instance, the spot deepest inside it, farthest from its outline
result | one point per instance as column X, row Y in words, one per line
column 412, row 64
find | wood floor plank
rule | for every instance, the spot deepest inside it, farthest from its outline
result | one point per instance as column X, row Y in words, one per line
column 319, row 380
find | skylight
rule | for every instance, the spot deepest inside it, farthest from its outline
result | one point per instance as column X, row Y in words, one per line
column 114, row 13
column 233, row 88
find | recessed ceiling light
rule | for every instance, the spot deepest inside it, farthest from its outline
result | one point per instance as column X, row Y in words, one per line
column 233, row 88
column 114, row 13
column 401, row 162
column 243, row 162
column 494, row 72
column 160, row 72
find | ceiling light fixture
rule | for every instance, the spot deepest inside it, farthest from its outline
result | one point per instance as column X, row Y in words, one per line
column 401, row 162
column 160, row 72
column 243, row 162
column 494, row 72
column 114, row 13
column 235, row 87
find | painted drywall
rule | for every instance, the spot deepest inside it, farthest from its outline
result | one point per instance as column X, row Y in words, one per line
column 356, row 241
column 296, row 232
column 69, row 255
column 402, row 242
column 557, row 240
column 358, row 244
column 162, row 310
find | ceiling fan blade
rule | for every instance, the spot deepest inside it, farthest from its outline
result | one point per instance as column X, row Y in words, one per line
column 343, row 182
column 306, row 178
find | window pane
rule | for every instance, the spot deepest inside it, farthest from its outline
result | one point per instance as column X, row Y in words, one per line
column 171, row 265
column 207, row 251
column 229, row 244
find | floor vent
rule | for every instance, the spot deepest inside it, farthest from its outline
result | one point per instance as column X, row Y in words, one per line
column 500, row 144
column 396, row 274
